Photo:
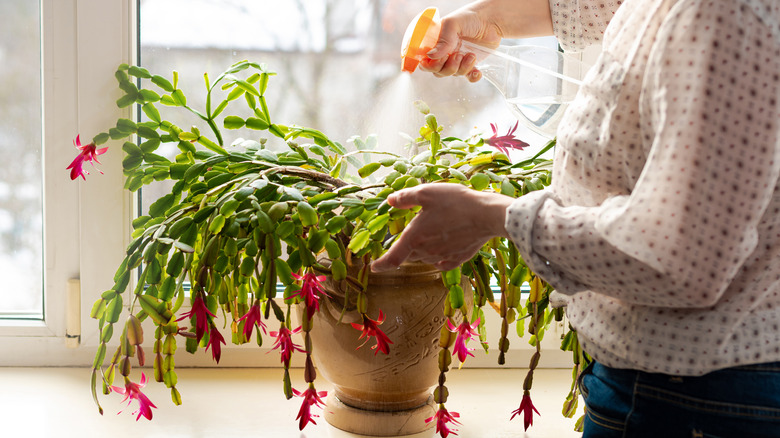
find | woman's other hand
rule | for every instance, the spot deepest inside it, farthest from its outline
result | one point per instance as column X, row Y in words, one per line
column 451, row 227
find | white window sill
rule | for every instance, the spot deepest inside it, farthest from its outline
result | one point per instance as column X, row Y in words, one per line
column 47, row 402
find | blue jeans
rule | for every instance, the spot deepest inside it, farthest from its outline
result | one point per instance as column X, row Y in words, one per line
column 741, row 402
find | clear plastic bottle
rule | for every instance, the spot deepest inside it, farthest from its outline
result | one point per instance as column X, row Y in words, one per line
column 536, row 82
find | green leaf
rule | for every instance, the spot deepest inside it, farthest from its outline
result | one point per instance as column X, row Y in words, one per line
column 179, row 98
column 114, row 309
column 217, row 224
column 175, row 264
column 140, row 221
column 307, row 214
column 456, row 297
column 368, row 169
column 359, row 240
column 221, row 107
column 377, row 223
column 283, row 271
column 246, row 86
column 317, row 240
column 256, row 123
column 265, row 154
column 126, row 126
column 151, row 306
column 100, row 138
column 139, row 72
column 278, row 130
column 167, row 100
column 128, row 87
column 479, row 181
column 168, row 287
column 162, row 83
column 235, row 93
column 149, row 96
column 151, row 111
column 335, row 224
column 98, row 309
column 188, row 136
column 161, row 205
column 147, row 132
column 154, row 158
column 233, row 122
column 126, row 100
column 131, row 162
column 131, row 149
column 150, row 145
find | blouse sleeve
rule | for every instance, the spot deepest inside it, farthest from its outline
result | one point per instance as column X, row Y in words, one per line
column 581, row 23
column 709, row 107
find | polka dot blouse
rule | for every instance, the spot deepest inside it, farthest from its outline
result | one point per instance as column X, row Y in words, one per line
column 662, row 225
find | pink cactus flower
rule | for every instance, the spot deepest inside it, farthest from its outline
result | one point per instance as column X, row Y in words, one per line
column 285, row 344
column 254, row 317
column 465, row 333
column 443, row 417
column 505, row 142
column 89, row 153
column 310, row 291
column 200, row 312
column 132, row 391
column 310, row 398
column 215, row 339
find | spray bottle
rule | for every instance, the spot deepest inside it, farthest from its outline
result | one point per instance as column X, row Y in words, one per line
column 536, row 82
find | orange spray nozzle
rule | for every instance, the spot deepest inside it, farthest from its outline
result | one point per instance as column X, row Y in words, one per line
column 420, row 37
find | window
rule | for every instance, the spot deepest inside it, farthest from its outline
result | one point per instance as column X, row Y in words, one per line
column 340, row 63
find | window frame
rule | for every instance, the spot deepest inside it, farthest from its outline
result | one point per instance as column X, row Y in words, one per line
column 85, row 223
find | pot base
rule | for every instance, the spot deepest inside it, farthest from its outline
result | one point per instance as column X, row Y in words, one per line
column 379, row 423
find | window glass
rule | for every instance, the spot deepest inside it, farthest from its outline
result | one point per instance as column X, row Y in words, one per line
column 21, row 240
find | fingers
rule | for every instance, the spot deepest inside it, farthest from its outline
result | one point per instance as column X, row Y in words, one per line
column 456, row 64
column 406, row 198
column 392, row 259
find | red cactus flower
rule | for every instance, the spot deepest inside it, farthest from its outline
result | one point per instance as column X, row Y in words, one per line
column 285, row 344
column 527, row 408
column 310, row 291
column 200, row 312
column 443, row 417
column 253, row 317
column 215, row 339
column 88, row 153
column 310, row 398
column 132, row 391
column 465, row 333
column 370, row 328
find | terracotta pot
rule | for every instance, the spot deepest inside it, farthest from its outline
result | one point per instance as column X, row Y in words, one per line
column 379, row 394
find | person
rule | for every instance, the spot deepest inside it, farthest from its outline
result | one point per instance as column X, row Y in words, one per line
column 661, row 227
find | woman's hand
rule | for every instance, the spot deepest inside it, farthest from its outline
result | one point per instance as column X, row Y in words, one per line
column 465, row 23
column 453, row 224
column 484, row 22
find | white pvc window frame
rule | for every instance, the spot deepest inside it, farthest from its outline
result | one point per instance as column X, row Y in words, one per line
column 86, row 223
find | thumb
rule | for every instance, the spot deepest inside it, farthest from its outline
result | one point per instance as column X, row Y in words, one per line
column 404, row 199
